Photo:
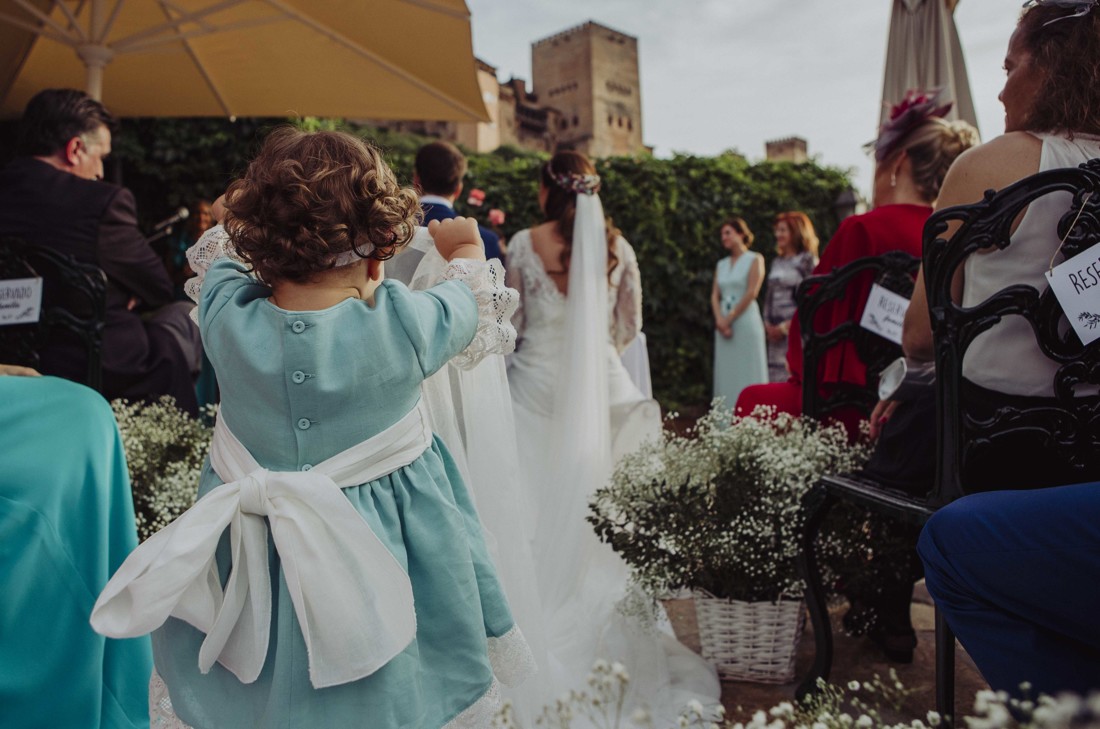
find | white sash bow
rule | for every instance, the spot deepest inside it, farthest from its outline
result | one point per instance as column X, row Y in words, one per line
column 352, row 598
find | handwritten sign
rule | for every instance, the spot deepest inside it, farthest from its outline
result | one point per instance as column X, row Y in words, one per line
column 20, row 301
column 1076, row 284
column 884, row 313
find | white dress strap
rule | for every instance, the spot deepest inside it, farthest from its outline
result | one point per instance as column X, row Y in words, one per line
column 352, row 598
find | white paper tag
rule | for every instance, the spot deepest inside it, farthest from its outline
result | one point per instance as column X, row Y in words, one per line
column 1076, row 284
column 884, row 313
column 20, row 301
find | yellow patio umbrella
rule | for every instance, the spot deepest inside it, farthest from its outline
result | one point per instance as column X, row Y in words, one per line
column 378, row 59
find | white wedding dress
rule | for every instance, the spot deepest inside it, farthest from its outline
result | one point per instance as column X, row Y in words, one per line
column 576, row 411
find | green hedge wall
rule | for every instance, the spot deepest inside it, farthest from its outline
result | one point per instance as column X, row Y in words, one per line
column 669, row 209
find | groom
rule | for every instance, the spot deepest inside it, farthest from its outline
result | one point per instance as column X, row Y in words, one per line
column 438, row 174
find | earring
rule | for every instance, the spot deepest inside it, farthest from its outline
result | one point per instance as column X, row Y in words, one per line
column 893, row 179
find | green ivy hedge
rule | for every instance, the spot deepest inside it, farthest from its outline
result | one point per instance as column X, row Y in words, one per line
column 669, row 209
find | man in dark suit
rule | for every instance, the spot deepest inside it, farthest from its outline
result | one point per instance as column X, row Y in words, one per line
column 53, row 195
column 438, row 175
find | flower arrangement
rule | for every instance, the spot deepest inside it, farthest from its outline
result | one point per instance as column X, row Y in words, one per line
column 165, row 449
column 718, row 509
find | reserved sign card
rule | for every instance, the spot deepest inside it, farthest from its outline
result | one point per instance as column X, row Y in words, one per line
column 20, row 301
column 884, row 313
column 1076, row 284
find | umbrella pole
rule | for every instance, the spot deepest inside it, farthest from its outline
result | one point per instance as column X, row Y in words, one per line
column 95, row 60
column 95, row 55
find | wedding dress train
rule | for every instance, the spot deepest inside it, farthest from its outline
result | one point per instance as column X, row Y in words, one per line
column 577, row 411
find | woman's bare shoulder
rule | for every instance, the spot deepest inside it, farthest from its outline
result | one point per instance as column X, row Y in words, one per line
column 990, row 166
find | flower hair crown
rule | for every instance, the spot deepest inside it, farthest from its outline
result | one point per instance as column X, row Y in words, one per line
column 577, row 183
column 1080, row 8
column 913, row 110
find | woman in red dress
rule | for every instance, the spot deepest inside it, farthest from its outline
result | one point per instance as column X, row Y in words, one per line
column 913, row 152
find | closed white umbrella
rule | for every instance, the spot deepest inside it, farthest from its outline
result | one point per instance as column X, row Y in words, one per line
column 923, row 52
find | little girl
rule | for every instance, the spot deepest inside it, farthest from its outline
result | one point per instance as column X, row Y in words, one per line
column 374, row 607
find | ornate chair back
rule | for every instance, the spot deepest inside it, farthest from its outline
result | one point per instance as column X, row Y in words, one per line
column 1065, row 427
column 893, row 271
column 73, row 313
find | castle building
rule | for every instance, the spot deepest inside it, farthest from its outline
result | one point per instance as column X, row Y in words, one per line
column 788, row 149
column 589, row 74
column 586, row 96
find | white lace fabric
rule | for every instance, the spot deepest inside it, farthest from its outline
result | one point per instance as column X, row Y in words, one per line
column 511, row 658
column 527, row 274
column 495, row 305
column 626, row 295
column 212, row 245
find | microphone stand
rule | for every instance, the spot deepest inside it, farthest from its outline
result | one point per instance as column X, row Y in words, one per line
column 162, row 233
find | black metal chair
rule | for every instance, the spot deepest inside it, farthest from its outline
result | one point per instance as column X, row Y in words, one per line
column 74, row 308
column 894, row 271
column 1064, row 427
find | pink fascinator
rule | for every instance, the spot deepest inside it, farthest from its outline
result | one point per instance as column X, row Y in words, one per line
column 913, row 110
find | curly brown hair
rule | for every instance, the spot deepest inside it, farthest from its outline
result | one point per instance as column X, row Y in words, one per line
column 561, row 204
column 307, row 197
column 1067, row 52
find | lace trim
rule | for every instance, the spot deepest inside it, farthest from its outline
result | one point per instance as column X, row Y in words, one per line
column 511, row 658
column 161, row 714
column 212, row 245
column 495, row 305
column 479, row 714
column 536, row 281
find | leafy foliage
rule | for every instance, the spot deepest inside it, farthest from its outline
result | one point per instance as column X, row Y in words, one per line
column 669, row 209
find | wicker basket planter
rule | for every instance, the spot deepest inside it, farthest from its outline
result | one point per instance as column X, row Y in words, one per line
column 750, row 641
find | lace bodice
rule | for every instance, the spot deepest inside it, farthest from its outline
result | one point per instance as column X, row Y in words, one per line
column 541, row 309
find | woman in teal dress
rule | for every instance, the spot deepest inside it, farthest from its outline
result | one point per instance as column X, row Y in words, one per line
column 740, row 357
column 311, row 367
column 66, row 523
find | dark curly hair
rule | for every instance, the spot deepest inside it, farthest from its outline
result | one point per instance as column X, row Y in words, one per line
column 1067, row 53
column 308, row 197
column 561, row 204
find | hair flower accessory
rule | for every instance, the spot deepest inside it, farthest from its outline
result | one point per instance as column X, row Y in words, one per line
column 913, row 110
column 1080, row 8
column 580, row 184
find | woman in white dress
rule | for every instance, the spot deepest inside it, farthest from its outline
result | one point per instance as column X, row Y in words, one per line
column 576, row 409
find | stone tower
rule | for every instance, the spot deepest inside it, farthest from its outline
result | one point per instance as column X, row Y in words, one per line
column 589, row 76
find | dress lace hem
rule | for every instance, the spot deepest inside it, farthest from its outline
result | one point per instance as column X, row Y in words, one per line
column 161, row 714
column 511, row 658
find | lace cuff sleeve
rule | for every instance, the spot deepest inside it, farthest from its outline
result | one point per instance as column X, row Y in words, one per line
column 495, row 305
column 626, row 317
column 212, row 245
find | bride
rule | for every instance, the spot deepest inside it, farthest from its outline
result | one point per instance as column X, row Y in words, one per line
column 576, row 410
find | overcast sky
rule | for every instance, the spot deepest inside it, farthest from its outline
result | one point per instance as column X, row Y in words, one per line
column 722, row 74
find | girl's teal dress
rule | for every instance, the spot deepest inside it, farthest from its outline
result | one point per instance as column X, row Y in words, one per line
column 66, row 524
column 299, row 387
column 743, row 359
